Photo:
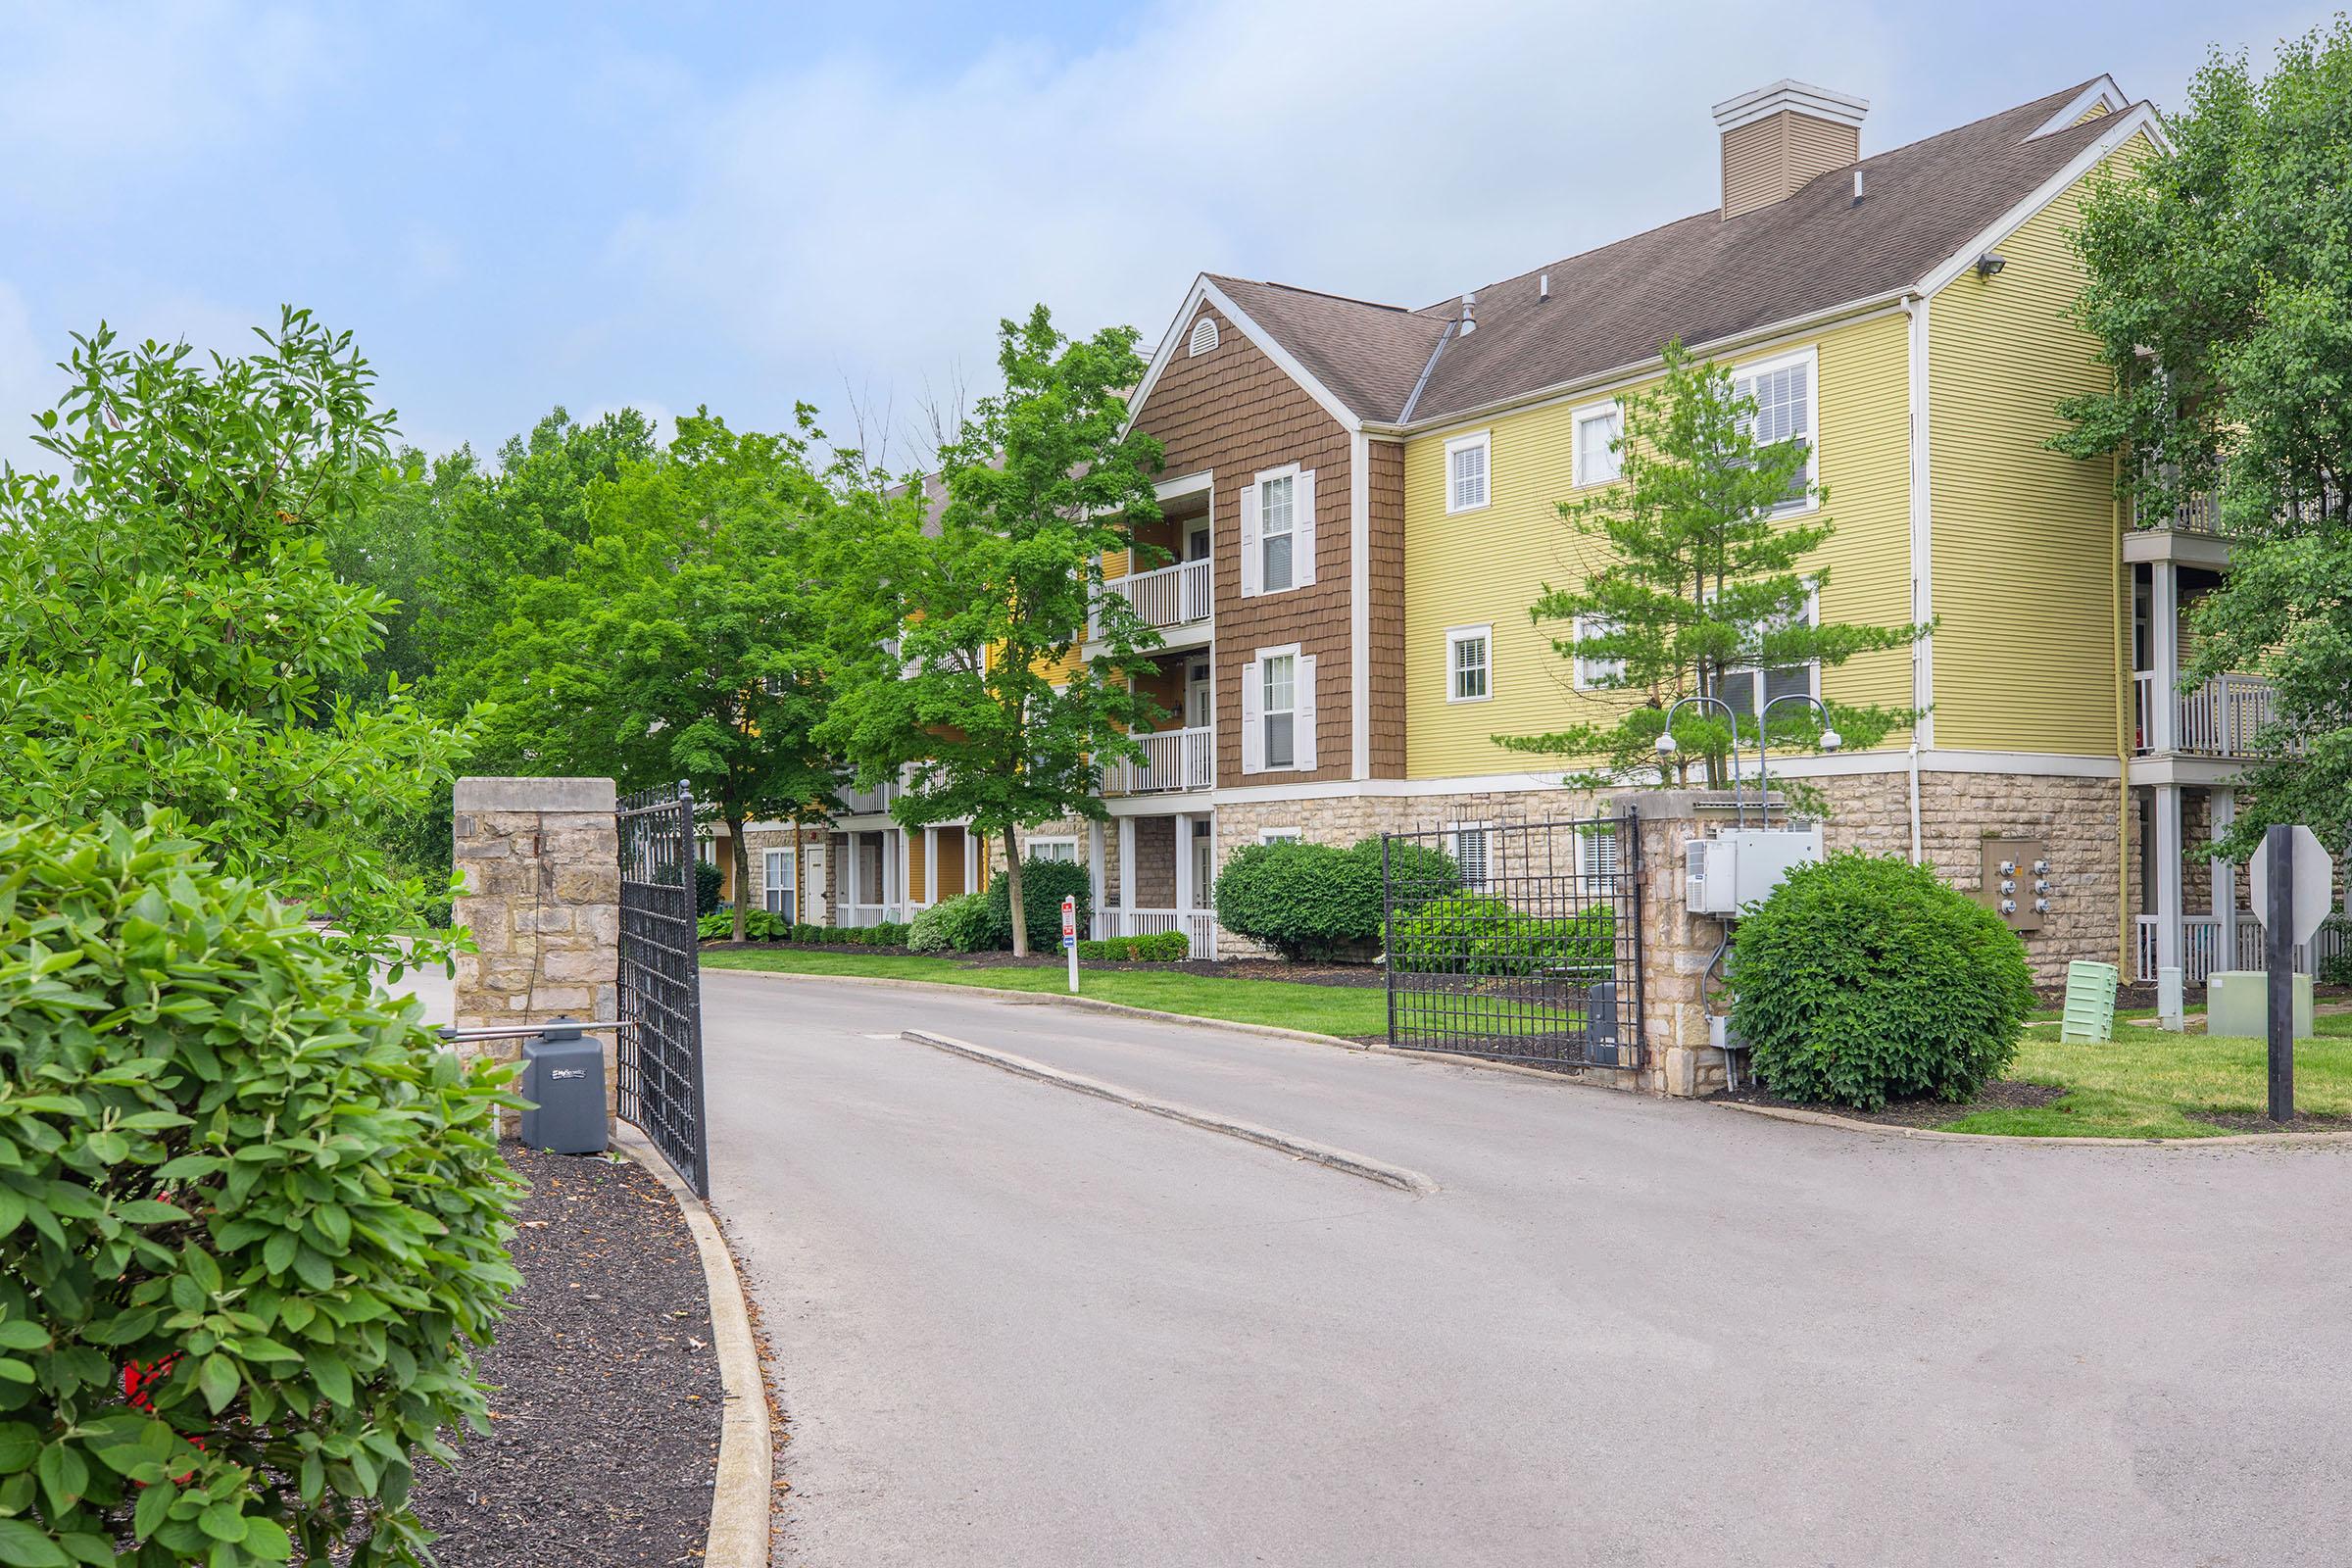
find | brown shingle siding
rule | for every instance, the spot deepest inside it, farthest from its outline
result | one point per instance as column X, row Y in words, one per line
column 1235, row 411
column 1385, row 496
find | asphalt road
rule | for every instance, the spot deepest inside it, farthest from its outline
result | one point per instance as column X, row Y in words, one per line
column 1021, row 1326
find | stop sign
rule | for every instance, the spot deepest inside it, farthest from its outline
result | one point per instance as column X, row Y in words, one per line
column 2314, row 890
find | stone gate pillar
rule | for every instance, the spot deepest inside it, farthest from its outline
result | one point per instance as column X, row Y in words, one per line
column 541, row 859
column 1677, row 946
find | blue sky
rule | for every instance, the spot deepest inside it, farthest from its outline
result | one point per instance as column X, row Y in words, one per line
column 516, row 205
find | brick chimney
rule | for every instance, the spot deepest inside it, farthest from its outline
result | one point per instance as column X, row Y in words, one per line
column 1778, row 137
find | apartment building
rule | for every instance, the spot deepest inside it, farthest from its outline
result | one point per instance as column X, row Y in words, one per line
column 1360, row 505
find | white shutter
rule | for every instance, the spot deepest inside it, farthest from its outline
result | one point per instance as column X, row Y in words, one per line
column 1303, row 539
column 1303, row 726
column 1250, row 561
column 1254, row 727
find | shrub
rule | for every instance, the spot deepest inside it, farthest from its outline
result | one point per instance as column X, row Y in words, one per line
column 888, row 934
column 927, row 931
column 715, row 927
column 964, row 921
column 765, row 926
column 1043, row 885
column 1304, row 901
column 707, row 878
column 2337, row 968
column 1159, row 946
column 1474, row 933
column 237, row 1174
column 1863, row 978
column 807, row 931
column 1316, row 901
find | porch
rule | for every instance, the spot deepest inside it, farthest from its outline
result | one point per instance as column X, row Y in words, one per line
column 1152, row 874
column 2195, row 912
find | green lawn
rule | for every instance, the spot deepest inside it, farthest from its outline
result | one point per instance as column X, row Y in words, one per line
column 1347, row 1011
column 2146, row 1083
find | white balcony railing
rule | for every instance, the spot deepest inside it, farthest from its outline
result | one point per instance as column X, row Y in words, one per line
column 1173, row 760
column 2201, row 947
column 1166, row 596
column 1199, row 926
column 2219, row 719
column 866, row 802
column 2194, row 515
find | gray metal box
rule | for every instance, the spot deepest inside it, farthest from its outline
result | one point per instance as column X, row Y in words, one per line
column 564, row 1079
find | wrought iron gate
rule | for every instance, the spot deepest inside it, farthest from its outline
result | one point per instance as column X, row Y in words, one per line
column 1520, row 943
column 661, row 984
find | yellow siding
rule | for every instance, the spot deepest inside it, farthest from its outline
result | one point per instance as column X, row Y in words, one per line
column 2023, row 579
column 1487, row 567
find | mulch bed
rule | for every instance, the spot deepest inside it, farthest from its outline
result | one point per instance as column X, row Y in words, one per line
column 606, row 1395
column 2001, row 1094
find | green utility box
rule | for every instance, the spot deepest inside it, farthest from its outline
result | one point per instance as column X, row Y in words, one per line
column 2089, row 1002
column 2237, row 1002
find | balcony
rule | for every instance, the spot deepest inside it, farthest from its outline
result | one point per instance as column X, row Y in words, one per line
column 1173, row 760
column 2189, row 535
column 2220, row 718
column 1165, row 597
column 866, row 802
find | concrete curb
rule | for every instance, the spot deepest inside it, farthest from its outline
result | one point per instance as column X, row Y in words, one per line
column 1824, row 1118
column 1400, row 1177
column 740, row 1492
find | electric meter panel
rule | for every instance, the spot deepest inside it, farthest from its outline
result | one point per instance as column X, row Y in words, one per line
column 2017, row 881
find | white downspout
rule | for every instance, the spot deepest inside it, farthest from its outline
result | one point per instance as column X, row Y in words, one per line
column 1923, row 586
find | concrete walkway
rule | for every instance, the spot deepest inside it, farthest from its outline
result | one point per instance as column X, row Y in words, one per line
column 1023, row 1326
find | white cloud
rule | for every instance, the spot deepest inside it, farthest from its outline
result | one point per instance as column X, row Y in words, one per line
column 848, row 216
column 93, row 96
column 30, row 381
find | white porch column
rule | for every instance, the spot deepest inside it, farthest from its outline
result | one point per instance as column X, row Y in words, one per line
column 903, row 870
column 931, row 866
column 2225, row 881
column 2167, row 876
column 1093, row 878
column 1184, row 861
column 846, row 881
column 1126, row 872
column 2164, row 657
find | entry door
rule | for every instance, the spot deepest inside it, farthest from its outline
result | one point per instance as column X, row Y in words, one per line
column 813, row 884
column 1203, row 874
column 1195, row 543
column 1196, row 695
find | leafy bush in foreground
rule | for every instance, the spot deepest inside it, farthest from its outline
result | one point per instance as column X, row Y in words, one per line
column 240, row 1188
column 1159, row 947
column 1864, row 979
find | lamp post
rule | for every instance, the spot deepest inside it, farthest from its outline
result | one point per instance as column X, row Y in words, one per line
column 1831, row 740
column 1667, row 747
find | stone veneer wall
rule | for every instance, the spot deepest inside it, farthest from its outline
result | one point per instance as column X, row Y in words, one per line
column 541, row 859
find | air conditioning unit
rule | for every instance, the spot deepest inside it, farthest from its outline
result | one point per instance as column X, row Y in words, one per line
column 1739, row 866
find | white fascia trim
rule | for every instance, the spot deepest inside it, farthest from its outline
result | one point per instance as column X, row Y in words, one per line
column 1922, row 536
column 1822, row 103
column 2126, row 126
column 1787, row 332
column 1186, row 485
column 2102, row 91
column 1203, row 289
column 2038, row 765
column 1359, row 606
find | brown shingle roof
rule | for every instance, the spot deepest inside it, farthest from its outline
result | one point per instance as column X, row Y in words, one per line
column 1369, row 356
column 1701, row 279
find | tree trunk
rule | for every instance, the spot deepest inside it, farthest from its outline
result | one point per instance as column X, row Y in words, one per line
column 1012, row 889
column 743, row 869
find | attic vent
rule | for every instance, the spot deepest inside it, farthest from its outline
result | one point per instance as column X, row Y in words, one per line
column 1204, row 336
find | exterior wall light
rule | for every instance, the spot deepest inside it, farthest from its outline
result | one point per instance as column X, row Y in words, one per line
column 1990, row 264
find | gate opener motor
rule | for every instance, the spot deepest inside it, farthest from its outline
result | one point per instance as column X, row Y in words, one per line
column 564, row 1079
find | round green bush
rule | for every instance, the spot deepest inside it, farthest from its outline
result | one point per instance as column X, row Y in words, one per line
column 927, row 932
column 706, row 880
column 1317, row 901
column 231, row 1172
column 1864, row 979
column 1043, row 885
column 962, row 922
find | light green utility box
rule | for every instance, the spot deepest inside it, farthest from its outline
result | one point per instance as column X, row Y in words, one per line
column 2089, row 1002
column 2237, row 1002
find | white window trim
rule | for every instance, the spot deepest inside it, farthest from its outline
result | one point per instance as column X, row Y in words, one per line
column 1258, row 482
column 1030, row 846
column 1453, row 847
column 1485, row 441
column 1577, row 419
column 1584, row 674
column 1279, row 835
column 1293, row 651
column 1810, row 357
column 1456, row 635
column 1812, row 667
